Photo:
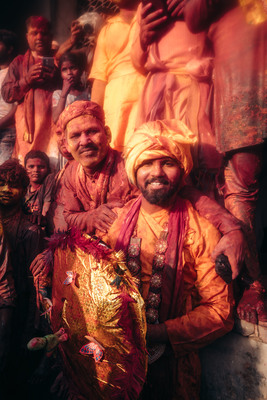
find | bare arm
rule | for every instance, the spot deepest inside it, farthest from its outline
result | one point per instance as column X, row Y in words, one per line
column 98, row 91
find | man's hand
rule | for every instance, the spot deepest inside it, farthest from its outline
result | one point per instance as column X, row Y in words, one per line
column 176, row 7
column 35, row 73
column 67, row 83
column 150, row 22
column 103, row 217
column 38, row 73
column 234, row 246
column 77, row 32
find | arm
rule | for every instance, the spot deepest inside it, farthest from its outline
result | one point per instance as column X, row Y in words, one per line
column 7, row 289
column 210, row 315
column 98, row 91
column 86, row 220
column 233, row 243
column 77, row 34
column 16, row 84
column 148, row 23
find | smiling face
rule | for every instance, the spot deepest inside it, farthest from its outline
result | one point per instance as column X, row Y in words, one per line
column 10, row 194
column 37, row 170
column 87, row 141
column 158, row 179
column 39, row 40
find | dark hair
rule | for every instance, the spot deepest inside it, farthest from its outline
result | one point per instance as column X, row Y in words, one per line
column 10, row 39
column 15, row 174
column 77, row 58
column 37, row 154
column 36, row 21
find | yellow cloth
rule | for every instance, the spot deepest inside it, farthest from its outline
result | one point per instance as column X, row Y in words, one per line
column 159, row 139
column 112, row 64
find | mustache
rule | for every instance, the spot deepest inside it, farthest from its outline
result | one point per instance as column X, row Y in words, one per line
column 90, row 146
column 163, row 181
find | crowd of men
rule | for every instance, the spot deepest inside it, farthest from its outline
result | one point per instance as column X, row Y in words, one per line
column 154, row 147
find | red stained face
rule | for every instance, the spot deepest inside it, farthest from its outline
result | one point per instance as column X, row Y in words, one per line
column 37, row 170
column 87, row 141
column 39, row 40
column 158, row 179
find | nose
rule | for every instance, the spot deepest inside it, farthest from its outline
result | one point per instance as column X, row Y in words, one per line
column 85, row 139
column 157, row 169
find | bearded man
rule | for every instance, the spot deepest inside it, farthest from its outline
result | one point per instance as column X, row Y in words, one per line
column 168, row 247
column 30, row 81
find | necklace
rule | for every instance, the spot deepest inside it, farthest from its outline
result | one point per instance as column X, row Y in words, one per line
column 153, row 300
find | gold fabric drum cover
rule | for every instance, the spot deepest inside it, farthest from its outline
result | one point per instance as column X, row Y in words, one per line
column 95, row 299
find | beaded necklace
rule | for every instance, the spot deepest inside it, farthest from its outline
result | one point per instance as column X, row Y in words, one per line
column 153, row 300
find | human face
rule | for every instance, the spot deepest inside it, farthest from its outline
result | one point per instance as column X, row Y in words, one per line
column 158, row 179
column 87, row 141
column 37, row 170
column 39, row 40
column 10, row 194
column 70, row 72
column 61, row 144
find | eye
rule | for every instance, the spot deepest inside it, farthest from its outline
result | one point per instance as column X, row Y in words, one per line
column 169, row 163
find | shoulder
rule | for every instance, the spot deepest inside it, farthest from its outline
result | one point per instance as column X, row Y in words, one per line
column 70, row 172
column 17, row 61
column 201, row 234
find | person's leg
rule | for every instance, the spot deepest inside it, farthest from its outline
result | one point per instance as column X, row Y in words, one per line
column 240, row 195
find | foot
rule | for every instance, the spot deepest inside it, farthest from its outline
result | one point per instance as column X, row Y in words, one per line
column 252, row 307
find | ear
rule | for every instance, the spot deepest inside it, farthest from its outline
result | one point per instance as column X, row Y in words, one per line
column 108, row 133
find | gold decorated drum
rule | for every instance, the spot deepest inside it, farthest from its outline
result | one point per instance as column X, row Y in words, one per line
column 96, row 300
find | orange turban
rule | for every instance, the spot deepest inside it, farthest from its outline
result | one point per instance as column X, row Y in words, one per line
column 156, row 139
column 78, row 108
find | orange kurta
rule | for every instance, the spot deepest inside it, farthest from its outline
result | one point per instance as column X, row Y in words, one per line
column 112, row 64
column 206, row 310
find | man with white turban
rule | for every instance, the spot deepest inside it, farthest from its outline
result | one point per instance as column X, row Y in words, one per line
column 168, row 247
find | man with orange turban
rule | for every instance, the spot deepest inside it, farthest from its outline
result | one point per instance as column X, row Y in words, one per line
column 168, row 247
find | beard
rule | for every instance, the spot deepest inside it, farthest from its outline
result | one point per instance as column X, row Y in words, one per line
column 158, row 196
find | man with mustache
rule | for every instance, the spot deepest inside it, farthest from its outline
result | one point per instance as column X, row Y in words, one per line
column 96, row 181
column 30, row 81
column 168, row 249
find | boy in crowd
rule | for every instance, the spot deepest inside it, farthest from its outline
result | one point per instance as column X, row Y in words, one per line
column 37, row 199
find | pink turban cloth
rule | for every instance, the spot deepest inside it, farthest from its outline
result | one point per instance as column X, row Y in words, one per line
column 78, row 108
column 157, row 139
